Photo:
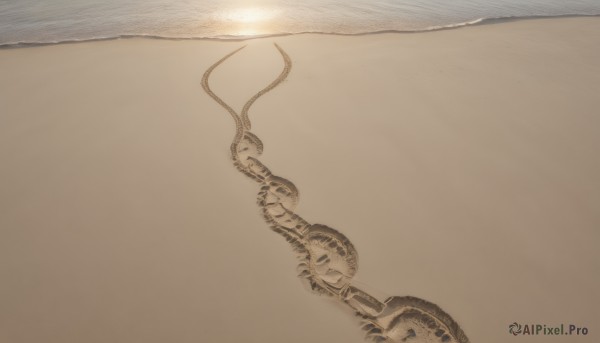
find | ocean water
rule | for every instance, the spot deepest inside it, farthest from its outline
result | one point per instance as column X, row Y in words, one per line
column 47, row 21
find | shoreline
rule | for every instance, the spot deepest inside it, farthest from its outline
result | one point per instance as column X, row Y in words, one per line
column 475, row 22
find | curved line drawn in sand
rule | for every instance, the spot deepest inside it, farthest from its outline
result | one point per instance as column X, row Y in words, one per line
column 328, row 260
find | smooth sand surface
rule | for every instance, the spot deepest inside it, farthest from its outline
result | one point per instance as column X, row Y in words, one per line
column 462, row 164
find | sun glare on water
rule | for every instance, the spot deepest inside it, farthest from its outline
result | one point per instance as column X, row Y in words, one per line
column 247, row 21
column 248, row 15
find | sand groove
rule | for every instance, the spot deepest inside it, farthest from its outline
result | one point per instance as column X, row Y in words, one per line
column 328, row 260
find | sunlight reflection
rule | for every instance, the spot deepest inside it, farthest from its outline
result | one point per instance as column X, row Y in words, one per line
column 248, row 15
column 246, row 21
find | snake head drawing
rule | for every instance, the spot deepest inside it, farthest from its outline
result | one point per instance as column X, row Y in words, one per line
column 410, row 319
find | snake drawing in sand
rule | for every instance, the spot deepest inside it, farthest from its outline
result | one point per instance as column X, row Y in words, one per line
column 328, row 260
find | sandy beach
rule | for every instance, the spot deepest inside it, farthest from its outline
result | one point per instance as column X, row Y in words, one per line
column 462, row 165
